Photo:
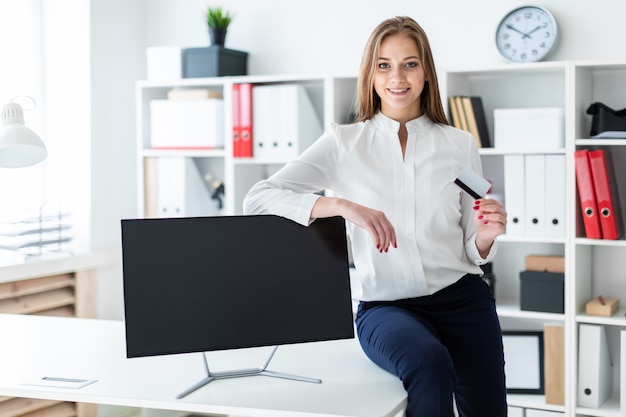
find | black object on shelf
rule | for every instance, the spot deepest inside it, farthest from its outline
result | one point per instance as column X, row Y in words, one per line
column 213, row 61
column 606, row 122
column 542, row 291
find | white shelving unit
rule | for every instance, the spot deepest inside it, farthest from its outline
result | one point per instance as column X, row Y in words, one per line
column 332, row 97
column 593, row 267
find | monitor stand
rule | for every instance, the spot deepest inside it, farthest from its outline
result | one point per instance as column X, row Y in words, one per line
column 211, row 376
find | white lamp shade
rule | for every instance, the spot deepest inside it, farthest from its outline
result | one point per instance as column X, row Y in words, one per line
column 19, row 146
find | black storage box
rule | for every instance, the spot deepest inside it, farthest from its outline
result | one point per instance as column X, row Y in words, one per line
column 542, row 291
column 606, row 121
column 213, row 61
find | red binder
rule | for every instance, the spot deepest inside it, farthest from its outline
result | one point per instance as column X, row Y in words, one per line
column 236, row 120
column 586, row 193
column 246, row 119
column 606, row 194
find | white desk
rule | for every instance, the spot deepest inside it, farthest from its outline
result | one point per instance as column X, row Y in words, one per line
column 34, row 347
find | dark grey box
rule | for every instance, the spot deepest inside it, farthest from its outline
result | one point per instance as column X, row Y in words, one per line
column 213, row 61
column 542, row 291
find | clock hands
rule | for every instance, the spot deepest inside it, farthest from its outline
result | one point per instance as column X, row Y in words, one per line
column 534, row 30
column 513, row 28
column 524, row 35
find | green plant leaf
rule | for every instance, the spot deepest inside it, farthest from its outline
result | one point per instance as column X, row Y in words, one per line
column 217, row 17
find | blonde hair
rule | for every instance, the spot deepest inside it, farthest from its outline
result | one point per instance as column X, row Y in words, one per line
column 368, row 101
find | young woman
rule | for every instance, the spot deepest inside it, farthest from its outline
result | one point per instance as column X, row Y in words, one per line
column 417, row 239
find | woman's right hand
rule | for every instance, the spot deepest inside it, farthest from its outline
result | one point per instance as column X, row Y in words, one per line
column 374, row 221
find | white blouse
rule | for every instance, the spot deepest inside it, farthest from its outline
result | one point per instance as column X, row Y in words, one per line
column 431, row 215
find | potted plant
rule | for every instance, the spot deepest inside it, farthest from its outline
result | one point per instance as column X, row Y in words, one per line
column 217, row 20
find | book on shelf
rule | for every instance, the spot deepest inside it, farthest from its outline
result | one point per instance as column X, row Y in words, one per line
column 467, row 113
column 236, row 120
column 246, row 120
column 598, row 195
column 554, row 363
column 607, row 197
column 587, row 195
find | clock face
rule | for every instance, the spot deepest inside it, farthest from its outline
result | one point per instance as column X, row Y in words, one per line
column 526, row 34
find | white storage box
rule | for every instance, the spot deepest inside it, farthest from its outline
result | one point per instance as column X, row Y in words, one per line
column 530, row 128
column 164, row 63
column 187, row 124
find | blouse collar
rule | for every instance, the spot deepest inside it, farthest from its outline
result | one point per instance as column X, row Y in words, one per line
column 387, row 123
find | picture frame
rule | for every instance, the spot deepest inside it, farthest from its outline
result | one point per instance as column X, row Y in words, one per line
column 524, row 362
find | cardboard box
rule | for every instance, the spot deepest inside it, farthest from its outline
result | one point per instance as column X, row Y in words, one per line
column 542, row 291
column 164, row 63
column 214, row 61
column 546, row 263
column 531, row 128
column 595, row 307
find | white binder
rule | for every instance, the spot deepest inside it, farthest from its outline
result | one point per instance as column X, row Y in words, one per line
column 284, row 121
column 555, row 196
column 535, row 195
column 514, row 194
column 623, row 371
column 180, row 189
column 595, row 371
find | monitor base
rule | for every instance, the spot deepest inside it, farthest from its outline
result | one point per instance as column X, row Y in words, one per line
column 238, row 373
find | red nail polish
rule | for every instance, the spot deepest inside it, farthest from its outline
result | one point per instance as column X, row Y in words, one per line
column 477, row 202
column 480, row 217
column 475, row 207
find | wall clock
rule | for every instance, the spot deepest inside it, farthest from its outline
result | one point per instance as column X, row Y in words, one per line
column 527, row 34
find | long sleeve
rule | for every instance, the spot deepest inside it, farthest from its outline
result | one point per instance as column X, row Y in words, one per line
column 294, row 189
column 364, row 163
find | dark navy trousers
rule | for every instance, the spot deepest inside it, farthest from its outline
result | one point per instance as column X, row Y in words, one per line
column 444, row 347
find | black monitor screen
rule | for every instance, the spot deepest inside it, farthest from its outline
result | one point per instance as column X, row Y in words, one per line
column 212, row 283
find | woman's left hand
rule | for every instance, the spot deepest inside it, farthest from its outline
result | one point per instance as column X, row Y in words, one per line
column 489, row 221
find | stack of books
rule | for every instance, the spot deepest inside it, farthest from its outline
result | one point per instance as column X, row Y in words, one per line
column 467, row 113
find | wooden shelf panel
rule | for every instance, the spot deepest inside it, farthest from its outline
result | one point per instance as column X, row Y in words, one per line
column 33, row 286
column 65, row 311
column 65, row 409
column 34, row 303
column 23, row 406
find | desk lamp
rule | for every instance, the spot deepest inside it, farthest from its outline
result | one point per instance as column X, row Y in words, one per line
column 19, row 145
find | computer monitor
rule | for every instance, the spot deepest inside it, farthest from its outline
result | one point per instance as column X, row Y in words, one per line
column 211, row 283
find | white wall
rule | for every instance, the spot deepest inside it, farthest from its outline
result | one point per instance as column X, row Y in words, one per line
column 116, row 58
column 327, row 36
column 285, row 37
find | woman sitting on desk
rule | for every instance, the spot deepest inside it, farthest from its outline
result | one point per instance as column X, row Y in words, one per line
column 425, row 314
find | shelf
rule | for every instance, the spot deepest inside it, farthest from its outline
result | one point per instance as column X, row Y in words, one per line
column 532, row 401
column 610, row 408
column 620, row 243
column 592, row 266
column 331, row 99
column 511, row 310
column 617, row 319
column 531, row 239
column 500, row 152
column 257, row 161
column 34, row 286
column 600, row 142
column 208, row 153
